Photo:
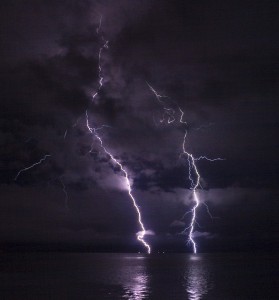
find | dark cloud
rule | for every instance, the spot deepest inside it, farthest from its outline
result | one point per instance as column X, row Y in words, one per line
column 217, row 61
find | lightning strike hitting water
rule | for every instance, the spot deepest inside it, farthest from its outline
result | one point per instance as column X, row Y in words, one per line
column 193, row 173
column 194, row 186
column 142, row 233
column 94, row 132
column 32, row 166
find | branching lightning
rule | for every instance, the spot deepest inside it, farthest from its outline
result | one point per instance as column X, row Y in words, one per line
column 142, row 233
column 32, row 166
column 94, row 132
column 194, row 186
column 193, row 172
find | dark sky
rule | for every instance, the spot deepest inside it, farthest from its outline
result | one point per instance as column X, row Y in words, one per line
column 217, row 60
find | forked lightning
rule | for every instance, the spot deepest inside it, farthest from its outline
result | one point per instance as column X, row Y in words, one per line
column 193, row 173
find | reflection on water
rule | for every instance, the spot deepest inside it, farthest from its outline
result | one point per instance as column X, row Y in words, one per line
column 136, row 284
column 196, row 278
column 135, row 277
column 137, row 288
column 138, row 277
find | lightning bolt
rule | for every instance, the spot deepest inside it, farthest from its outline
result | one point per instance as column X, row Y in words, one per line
column 142, row 233
column 65, row 192
column 94, row 132
column 169, row 116
column 194, row 186
column 65, row 133
column 100, row 24
column 169, row 113
column 32, row 166
column 104, row 46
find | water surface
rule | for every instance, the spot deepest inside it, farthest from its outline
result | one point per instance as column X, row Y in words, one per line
column 138, row 276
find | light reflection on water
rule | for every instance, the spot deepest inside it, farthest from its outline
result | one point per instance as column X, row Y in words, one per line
column 136, row 287
column 197, row 279
column 138, row 277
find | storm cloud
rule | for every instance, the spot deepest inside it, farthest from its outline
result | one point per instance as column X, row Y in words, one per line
column 217, row 61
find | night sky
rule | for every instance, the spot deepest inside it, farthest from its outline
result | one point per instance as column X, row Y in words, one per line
column 217, row 60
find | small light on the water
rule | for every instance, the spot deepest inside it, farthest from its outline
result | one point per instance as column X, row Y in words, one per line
column 195, row 257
